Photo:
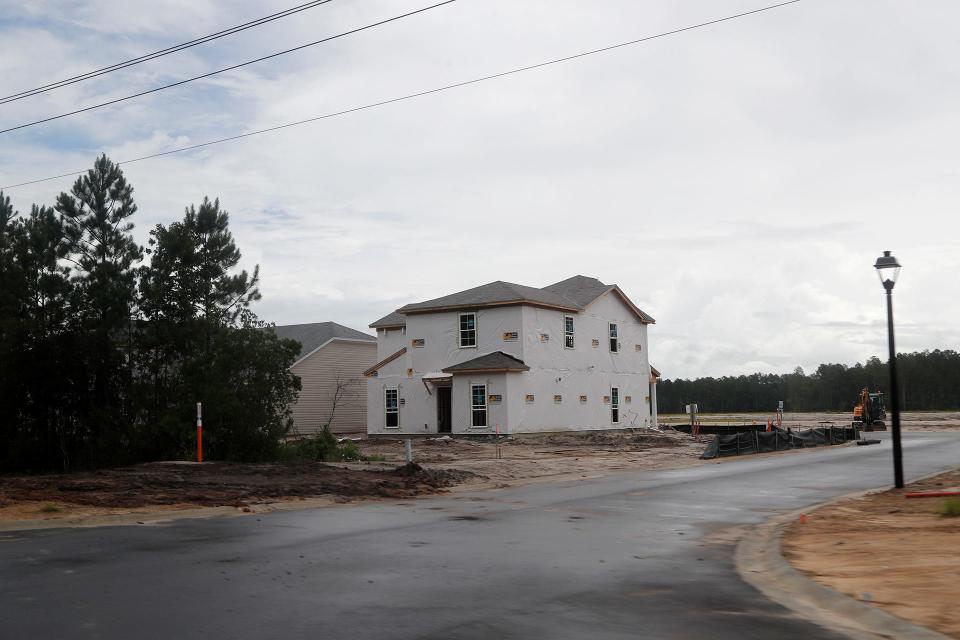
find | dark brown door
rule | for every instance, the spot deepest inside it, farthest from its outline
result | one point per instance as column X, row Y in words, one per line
column 444, row 412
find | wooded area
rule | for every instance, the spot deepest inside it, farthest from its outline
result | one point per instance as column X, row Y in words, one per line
column 106, row 346
column 929, row 380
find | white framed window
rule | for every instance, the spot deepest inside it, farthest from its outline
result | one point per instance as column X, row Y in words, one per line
column 478, row 405
column 391, row 405
column 468, row 330
column 614, row 338
column 568, row 332
column 614, row 405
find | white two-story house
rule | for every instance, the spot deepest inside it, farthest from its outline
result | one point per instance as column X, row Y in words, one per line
column 507, row 357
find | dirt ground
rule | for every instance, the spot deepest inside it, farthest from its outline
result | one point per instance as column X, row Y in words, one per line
column 440, row 464
column 893, row 552
column 447, row 464
column 909, row 420
column 167, row 486
column 547, row 457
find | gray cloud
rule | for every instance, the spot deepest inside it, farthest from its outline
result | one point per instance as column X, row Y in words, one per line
column 737, row 182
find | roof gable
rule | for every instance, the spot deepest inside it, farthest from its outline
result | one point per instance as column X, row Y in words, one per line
column 584, row 290
column 580, row 289
column 315, row 334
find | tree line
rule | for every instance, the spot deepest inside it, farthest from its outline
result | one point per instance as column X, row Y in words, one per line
column 928, row 380
column 107, row 346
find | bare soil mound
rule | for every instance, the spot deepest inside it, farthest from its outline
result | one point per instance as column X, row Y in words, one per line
column 223, row 483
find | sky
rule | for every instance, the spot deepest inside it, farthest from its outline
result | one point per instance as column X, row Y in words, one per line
column 737, row 181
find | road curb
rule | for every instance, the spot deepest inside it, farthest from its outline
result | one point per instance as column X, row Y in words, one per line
column 760, row 562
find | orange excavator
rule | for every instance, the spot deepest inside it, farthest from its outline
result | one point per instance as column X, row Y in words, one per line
column 869, row 412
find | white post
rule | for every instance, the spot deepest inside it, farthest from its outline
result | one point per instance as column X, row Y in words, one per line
column 408, row 449
column 199, row 432
column 653, row 404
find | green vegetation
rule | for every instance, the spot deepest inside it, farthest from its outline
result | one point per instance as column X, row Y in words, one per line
column 106, row 346
column 950, row 508
column 320, row 447
column 928, row 381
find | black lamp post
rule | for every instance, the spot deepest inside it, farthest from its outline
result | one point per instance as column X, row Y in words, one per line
column 888, row 268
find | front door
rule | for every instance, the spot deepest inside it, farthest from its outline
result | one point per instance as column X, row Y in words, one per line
column 444, row 412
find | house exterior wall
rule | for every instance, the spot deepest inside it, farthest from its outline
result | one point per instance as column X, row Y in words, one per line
column 318, row 374
column 390, row 340
column 440, row 335
column 585, row 370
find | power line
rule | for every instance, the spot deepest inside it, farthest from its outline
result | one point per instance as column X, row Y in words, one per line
column 162, row 52
column 420, row 93
column 231, row 68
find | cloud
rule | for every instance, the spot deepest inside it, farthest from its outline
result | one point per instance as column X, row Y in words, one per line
column 736, row 181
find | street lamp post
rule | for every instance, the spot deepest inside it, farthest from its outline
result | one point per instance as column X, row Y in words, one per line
column 888, row 269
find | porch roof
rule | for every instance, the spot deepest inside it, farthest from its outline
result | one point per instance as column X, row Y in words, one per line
column 498, row 361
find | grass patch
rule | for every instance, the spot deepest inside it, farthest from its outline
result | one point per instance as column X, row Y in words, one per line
column 375, row 457
column 50, row 508
column 950, row 508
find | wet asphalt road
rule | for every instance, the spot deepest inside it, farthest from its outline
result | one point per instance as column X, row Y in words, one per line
column 635, row 555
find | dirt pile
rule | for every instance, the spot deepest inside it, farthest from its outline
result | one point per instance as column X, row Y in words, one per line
column 631, row 440
column 221, row 483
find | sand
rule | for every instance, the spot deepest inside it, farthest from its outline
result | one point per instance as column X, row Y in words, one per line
column 889, row 551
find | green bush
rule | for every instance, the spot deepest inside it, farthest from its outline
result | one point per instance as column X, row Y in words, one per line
column 350, row 451
column 950, row 508
column 320, row 447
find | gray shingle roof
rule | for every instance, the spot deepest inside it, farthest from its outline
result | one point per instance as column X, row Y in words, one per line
column 572, row 294
column 580, row 289
column 494, row 293
column 584, row 290
column 392, row 319
column 496, row 361
column 312, row 335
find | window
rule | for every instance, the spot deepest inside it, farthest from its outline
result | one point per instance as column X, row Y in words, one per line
column 614, row 405
column 478, row 405
column 568, row 332
column 614, row 343
column 392, row 407
column 468, row 330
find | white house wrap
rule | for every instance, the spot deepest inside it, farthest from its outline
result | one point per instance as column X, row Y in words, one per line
column 570, row 356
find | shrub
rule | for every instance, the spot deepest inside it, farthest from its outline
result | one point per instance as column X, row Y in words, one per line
column 320, row 447
column 950, row 508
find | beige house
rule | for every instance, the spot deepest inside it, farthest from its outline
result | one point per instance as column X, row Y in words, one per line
column 330, row 365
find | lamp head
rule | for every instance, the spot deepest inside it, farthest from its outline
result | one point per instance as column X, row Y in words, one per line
column 888, row 269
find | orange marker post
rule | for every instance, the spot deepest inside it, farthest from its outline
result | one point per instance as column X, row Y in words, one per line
column 199, row 433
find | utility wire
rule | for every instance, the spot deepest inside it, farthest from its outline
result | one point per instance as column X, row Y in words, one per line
column 419, row 94
column 231, row 68
column 162, row 52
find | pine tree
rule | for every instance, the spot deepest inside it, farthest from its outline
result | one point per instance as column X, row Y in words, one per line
column 96, row 216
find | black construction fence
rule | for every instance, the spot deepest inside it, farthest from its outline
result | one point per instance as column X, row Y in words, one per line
column 752, row 441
